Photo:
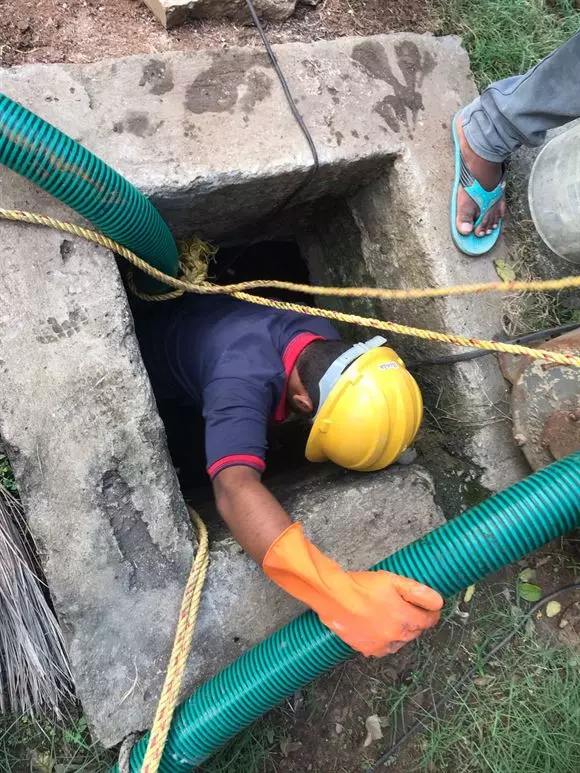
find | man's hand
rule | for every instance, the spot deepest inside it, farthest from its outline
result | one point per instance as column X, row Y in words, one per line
column 373, row 612
column 379, row 612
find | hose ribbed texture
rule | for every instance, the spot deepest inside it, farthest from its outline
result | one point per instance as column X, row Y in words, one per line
column 58, row 164
column 495, row 533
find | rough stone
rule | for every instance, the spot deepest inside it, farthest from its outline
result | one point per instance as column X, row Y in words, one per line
column 78, row 420
column 209, row 135
column 546, row 405
column 171, row 13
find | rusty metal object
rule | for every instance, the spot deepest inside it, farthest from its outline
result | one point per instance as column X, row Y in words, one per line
column 562, row 433
column 546, row 404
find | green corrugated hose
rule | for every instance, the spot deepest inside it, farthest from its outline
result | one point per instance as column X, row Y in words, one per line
column 505, row 527
column 45, row 156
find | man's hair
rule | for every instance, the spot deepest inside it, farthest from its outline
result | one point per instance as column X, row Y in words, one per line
column 315, row 361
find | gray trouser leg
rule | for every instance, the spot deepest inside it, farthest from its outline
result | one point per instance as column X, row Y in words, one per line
column 519, row 110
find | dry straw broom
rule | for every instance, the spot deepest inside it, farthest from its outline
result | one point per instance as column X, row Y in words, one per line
column 34, row 670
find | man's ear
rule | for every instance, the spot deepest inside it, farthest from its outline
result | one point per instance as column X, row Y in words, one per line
column 302, row 403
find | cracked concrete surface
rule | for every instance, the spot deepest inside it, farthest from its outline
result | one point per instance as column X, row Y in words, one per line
column 78, row 418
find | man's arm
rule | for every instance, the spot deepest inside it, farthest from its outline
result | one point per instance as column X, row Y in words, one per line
column 252, row 514
column 374, row 612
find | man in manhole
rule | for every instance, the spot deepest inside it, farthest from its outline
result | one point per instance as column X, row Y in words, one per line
column 244, row 366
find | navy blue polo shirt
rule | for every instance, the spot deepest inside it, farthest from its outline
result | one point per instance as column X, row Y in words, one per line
column 232, row 360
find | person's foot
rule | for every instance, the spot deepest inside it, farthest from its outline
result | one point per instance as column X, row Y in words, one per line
column 488, row 175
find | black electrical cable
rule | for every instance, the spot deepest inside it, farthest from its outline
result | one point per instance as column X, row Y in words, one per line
column 396, row 747
column 449, row 359
column 287, row 92
column 303, row 128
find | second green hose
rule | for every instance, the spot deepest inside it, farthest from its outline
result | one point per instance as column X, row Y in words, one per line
column 495, row 533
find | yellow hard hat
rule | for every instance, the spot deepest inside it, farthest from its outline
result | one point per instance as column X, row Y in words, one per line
column 369, row 412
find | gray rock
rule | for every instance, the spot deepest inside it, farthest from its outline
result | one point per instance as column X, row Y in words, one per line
column 79, row 424
column 171, row 13
column 546, row 405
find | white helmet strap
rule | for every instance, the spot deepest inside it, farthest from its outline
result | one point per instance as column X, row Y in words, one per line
column 337, row 368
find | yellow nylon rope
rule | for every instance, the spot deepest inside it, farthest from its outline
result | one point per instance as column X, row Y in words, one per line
column 194, row 280
column 180, row 651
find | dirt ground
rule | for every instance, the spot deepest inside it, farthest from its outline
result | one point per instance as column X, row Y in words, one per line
column 86, row 30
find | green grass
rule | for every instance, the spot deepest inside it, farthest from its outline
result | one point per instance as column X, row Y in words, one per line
column 523, row 716
column 44, row 746
column 251, row 752
column 35, row 745
column 522, row 712
column 6, row 475
column 507, row 37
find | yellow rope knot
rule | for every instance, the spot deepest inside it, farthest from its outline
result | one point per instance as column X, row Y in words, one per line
column 195, row 255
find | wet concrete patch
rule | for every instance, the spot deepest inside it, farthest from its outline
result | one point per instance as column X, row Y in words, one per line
column 158, row 76
column 138, row 123
column 413, row 65
column 217, row 89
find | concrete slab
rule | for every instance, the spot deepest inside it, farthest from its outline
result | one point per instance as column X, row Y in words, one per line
column 171, row 13
column 209, row 135
column 79, row 424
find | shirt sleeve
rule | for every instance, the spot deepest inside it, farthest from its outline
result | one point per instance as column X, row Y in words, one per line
column 236, row 415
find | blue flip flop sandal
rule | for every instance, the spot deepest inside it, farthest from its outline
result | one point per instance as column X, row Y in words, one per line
column 471, row 244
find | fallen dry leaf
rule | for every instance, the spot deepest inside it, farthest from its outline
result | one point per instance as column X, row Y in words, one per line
column 287, row 746
column 41, row 762
column 469, row 594
column 483, row 681
column 374, row 732
column 527, row 574
column 553, row 608
column 505, row 272
column 544, row 560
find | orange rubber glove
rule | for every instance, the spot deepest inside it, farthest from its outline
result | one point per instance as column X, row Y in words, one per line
column 375, row 613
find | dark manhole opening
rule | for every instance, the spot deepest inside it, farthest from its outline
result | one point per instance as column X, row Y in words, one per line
column 274, row 259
